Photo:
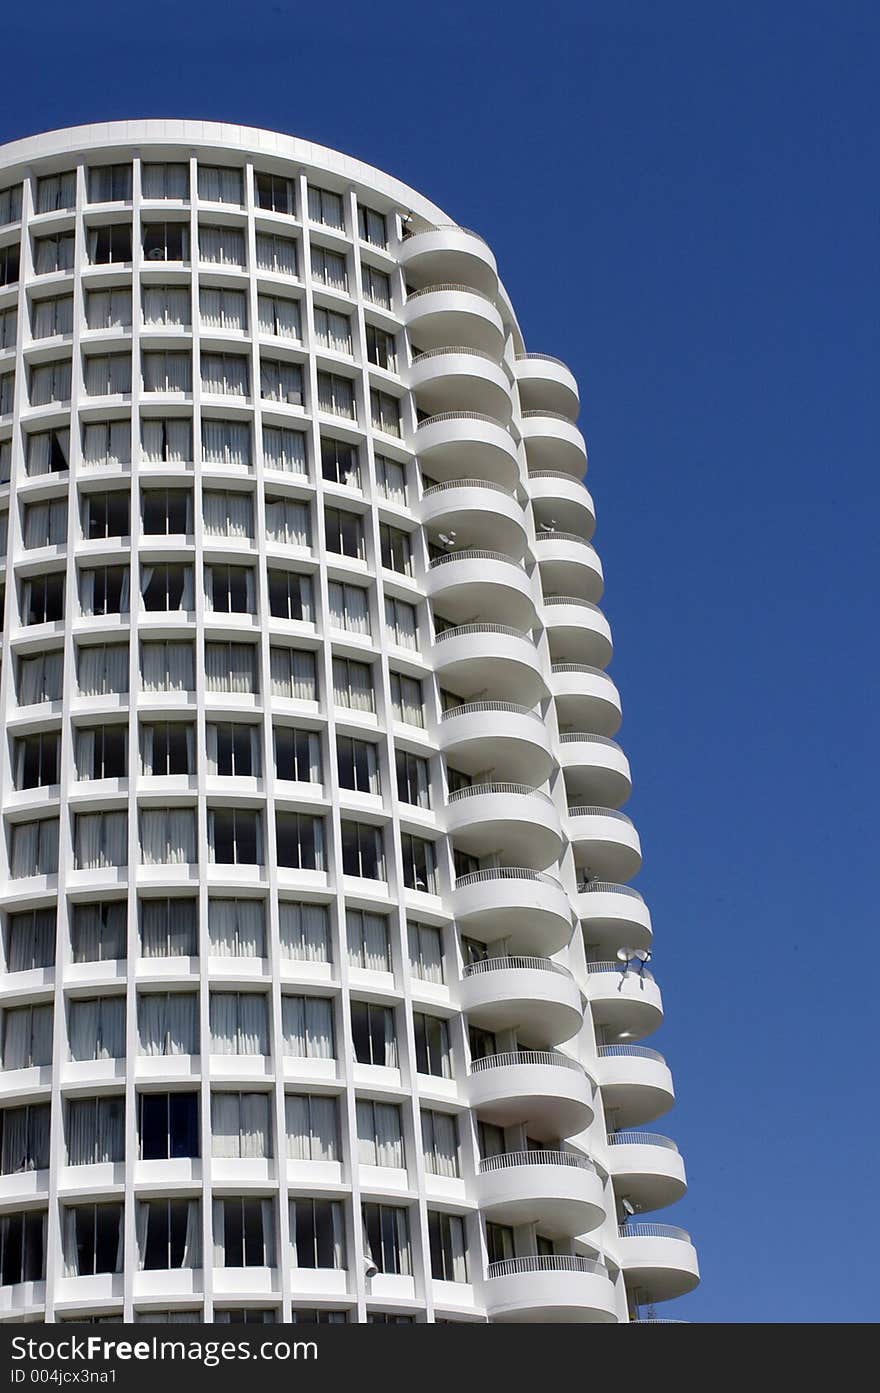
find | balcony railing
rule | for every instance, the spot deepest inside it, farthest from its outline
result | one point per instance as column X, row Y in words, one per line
column 655, row 1231
column 516, row 790
column 563, row 537
column 461, row 629
column 510, row 1058
column 620, row 969
column 474, row 554
column 551, row 1262
column 570, row 600
column 469, row 708
column 455, row 348
column 583, row 737
column 460, row 416
column 580, row 667
column 609, row 887
column 641, row 1139
column 541, row 358
column 551, row 415
column 629, row 1051
column 555, row 474
column 507, row 873
column 443, row 227
column 449, row 286
column 435, row 489
column 588, row 810
column 534, row 1158
column 514, row 963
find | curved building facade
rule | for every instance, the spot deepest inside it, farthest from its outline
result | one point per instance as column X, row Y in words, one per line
column 313, row 874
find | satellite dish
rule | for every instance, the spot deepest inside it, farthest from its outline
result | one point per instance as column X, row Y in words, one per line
column 627, row 1208
column 642, row 954
column 626, row 955
column 448, row 538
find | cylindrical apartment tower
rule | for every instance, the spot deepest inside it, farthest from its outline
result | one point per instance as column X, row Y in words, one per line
column 313, row 873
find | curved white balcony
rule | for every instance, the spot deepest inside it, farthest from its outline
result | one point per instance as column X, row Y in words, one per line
column 555, row 1288
column 500, row 736
column 604, row 841
column 569, row 565
column 455, row 377
column 546, row 384
column 553, row 442
column 535, row 995
column 636, row 1084
column 596, row 769
column 627, row 1004
column 560, row 1190
column 449, row 255
column 578, row 631
column 613, row 914
column 659, row 1261
column 439, row 314
column 543, row 1088
column 586, row 698
column 528, row 910
column 465, row 444
column 520, row 820
column 646, row 1168
column 559, row 497
column 485, row 511
column 482, row 584
column 490, row 658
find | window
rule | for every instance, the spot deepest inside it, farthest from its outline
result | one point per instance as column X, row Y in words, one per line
column 167, row 586
column 293, row 673
column 385, row 412
column 336, row 395
column 169, row 1234
column 317, row 1234
column 168, row 837
column 56, row 192
column 275, row 193
column 98, row 931
column 24, row 1139
column 344, row 533
column 169, row 928
column 363, row 851
column 93, row 1239
column 48, row 452
column 233, row 749
column 235, row 836
column 381, row 348
column 167, row 512
column 353, row 685
column 105, row 515
column 225, row 374
column 167, row 372
column 326, row 207
column 30, row 940
column 226, row 442
column 221, row 246
column 304, row 932
column 111, row 309
column 50, row 382
column 107, row 443
column 36, row 759
column 339, row 462
column 100, row 840
column 53, row 253
column 396, row 549
column 240, row 1126
column 244, row 1233
column 285, row 449
column 307, row 1027
column 333, row 330
column 358, row 764
column 281, row 381
column 372, row 226
column 167, row 441
column 168, row 667
column 166, row 241
column 51, row 317
column 110, row 243
column 34, row 848
column 380, row 1134
column 110, row 183
column 276, row 254
column 279, row 317
column 168, row 748
column 386, row 1238
column 406, row 699
column 27, row 1036
column 288, row 522
column 218, row 184
column 299, row 840
column 246, row 1315
column 101, row 752
column 349, row 607
column 440, row 1143
column 239, row 1023
column 231, row 667
column 312, row 1125
column 107, row 374
column 396, row 1318
column 425, row 952
column 97, row 1028
column 9, row 325
column 290, row 596
column 329, row 269
column 104, row 590
column 419, row 865
column 297, row 754
column 223, row 309
column 372, row 1034
column 168, row 1023
column 376, row 286
column 166, row 306
column 413, row 779
column 230, row 589
column 402, row 622
column 499, row 1242
column 95, row 1130
column 237, row 928
column 432, row 1045
column 165, row 180
column 23, row 1247
column 42, row 598
column 10, row 204
column 102, row 669
column 448, row 1253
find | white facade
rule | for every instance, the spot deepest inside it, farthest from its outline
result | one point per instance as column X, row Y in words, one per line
column 313, row 874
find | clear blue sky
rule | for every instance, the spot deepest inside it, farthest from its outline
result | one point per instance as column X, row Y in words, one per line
column 683, row 199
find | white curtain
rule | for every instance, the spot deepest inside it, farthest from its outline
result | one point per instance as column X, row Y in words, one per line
column 226, row 442
column 108, row 309
column 368, row 945
column 168, row 836
column 305, row 931
column 312, row 1127
column 39, row 451
column 329, row 268
column 168, row 667
column 230, row 667
column 228, row 513
column 99, row 932
column 27, row 1036
column 279, row 316
column 380, row 1136
column 285, row 449
column 426, row 952
column 167, row 372
column 40, row 678
column 240, row 1125
column 333, row 330
column 316, row 1214
column 166, row 304
column 276, row 254
column 440, row 1143
column 168, row 928
column 168, row 1023
column 107, row 442
column 50, row 382
column 31, row 940
column 167, row 441
column 103, row 669
column 97, row 1028
column 220, row 185
column 101, row 839
column 237, row 928
column 406, row 695
column 349, row 607
column 165, row 180
column 400, row 618
column 108, row 375
column 280, row 381
column 391, row 478
column 293, row 673
column 239, row 1023
column 307, row 1027
column 225, row 373
column 34, row 848
column 336, row 395
column 287, row 521
column 45, row 524
column 326, row 207
column 52, row 317
column 223, row 309
column 56, row 191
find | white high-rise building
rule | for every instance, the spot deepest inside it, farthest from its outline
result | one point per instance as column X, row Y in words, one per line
column 313, row 873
